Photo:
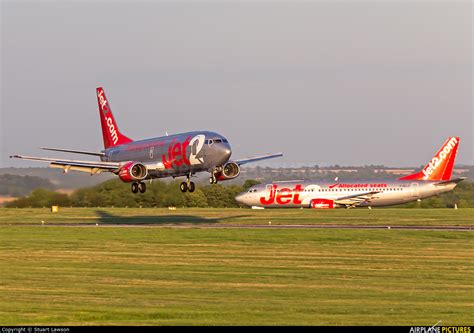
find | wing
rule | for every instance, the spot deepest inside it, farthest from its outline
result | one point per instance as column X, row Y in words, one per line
column 257, row 158
column 84, row 166
column 356, row 199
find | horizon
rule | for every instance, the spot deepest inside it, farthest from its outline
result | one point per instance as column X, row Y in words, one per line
column 321, row 166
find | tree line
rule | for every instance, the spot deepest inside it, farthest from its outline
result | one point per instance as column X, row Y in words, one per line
column 114, row 193
column 16, row 185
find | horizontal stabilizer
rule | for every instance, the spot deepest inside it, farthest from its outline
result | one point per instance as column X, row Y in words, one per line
column 74, row 151
column 452, row 181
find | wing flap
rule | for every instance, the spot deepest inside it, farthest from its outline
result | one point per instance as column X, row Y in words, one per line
column 356, row 199
column 66, row 168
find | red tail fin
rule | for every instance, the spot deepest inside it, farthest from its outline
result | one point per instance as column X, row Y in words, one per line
column 110, row 132
column 441, row 165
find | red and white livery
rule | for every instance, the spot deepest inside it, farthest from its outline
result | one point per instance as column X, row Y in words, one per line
column 433, row 179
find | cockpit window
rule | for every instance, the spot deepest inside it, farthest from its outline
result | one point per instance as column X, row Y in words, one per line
column 216, row 140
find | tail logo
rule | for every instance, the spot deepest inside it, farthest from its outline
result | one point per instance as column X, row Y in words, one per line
column 112, row 130
column 103, row 102
column 438, row 160
column 109, row 121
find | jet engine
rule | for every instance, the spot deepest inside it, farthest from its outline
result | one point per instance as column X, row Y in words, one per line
column 322, row 203
column 229, row 171
column 133, row 171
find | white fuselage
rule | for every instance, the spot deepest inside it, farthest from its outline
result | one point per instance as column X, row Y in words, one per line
column 322, row 194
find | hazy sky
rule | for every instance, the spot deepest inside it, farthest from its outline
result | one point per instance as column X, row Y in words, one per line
column 346, row 82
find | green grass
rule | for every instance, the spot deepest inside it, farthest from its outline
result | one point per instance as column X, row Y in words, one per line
column 194, row 276
column 196, row 216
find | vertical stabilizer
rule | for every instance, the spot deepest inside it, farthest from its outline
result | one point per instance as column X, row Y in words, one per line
column 441, row 165
column 110, row 132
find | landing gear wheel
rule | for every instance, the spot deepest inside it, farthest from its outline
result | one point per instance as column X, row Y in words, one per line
column 191, row 187
column 213, row 180
column 183, row 187
column 142, row 187
column 135, row 187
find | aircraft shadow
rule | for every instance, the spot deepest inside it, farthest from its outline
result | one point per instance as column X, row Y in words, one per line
column 107, row 218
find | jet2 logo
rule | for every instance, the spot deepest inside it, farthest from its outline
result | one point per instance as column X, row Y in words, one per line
column 177, row 152
column 112, row 130
column 198, row 142
column 283, row 196
column 103, row 102
column 437, row 160
column 109, row 121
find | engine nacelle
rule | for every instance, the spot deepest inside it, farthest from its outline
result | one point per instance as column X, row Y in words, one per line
column 322, row 203
column 133, row 171
column 229, row 171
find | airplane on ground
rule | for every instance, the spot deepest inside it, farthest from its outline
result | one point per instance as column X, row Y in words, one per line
column 433, row 179
column 183, row 154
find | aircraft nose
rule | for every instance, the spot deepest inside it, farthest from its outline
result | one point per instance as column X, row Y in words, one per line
column 224, row 152
column 227, row 151
column 243, row 198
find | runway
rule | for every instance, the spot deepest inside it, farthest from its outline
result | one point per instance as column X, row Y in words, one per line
column 259, row 226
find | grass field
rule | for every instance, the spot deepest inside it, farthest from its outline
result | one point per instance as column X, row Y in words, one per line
column 196, row 216
column 194, row 276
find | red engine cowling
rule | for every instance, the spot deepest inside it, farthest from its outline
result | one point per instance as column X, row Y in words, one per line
column 322, row 203
column 230, row 171
column 132, row 171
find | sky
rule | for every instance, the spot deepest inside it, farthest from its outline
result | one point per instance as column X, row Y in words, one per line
column 324, row 82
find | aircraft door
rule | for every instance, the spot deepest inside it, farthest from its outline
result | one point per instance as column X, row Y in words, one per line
column 112, row 155
column 415, row 190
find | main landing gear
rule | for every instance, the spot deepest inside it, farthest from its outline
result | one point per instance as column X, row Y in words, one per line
column 138, row 187
column 187, row 186
column 213, row 180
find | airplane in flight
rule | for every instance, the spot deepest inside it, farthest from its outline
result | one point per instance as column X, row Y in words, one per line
column 433, row 179
column 177, row 155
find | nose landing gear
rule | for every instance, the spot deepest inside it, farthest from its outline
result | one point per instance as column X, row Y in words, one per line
column 214, row 171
